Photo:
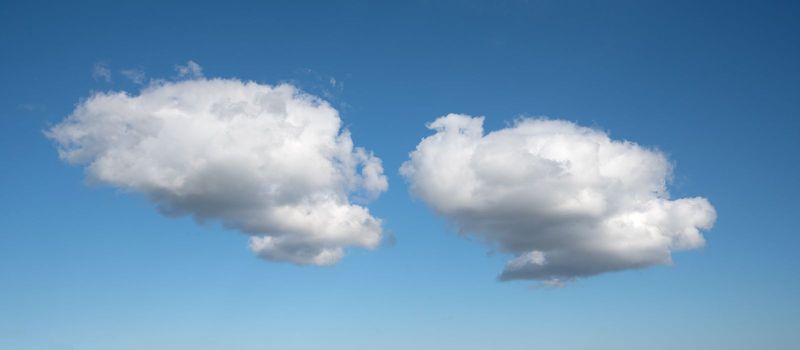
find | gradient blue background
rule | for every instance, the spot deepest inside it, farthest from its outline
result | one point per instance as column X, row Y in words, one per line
column 716, row 85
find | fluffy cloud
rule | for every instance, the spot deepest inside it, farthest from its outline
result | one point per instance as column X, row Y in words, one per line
column 566, row 201
column 269, row 161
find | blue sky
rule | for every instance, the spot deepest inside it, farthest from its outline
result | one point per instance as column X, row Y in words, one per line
column 713, row 85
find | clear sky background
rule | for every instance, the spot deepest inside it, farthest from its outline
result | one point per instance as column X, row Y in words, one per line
column 715, row 85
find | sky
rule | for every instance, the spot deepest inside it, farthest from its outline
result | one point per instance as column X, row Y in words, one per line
column 417, row 174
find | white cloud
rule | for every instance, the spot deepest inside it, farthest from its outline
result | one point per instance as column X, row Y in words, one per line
column 566, row 201
column 269, row 161
column 190, row 70
column 100, row 71
column 136, row 76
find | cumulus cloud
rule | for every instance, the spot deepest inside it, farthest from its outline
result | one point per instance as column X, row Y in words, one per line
column 100, row 71
column 269, row 161
column 566, row 201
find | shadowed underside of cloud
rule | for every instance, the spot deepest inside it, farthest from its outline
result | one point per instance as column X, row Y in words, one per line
column 566, row 201
column 269, row 161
